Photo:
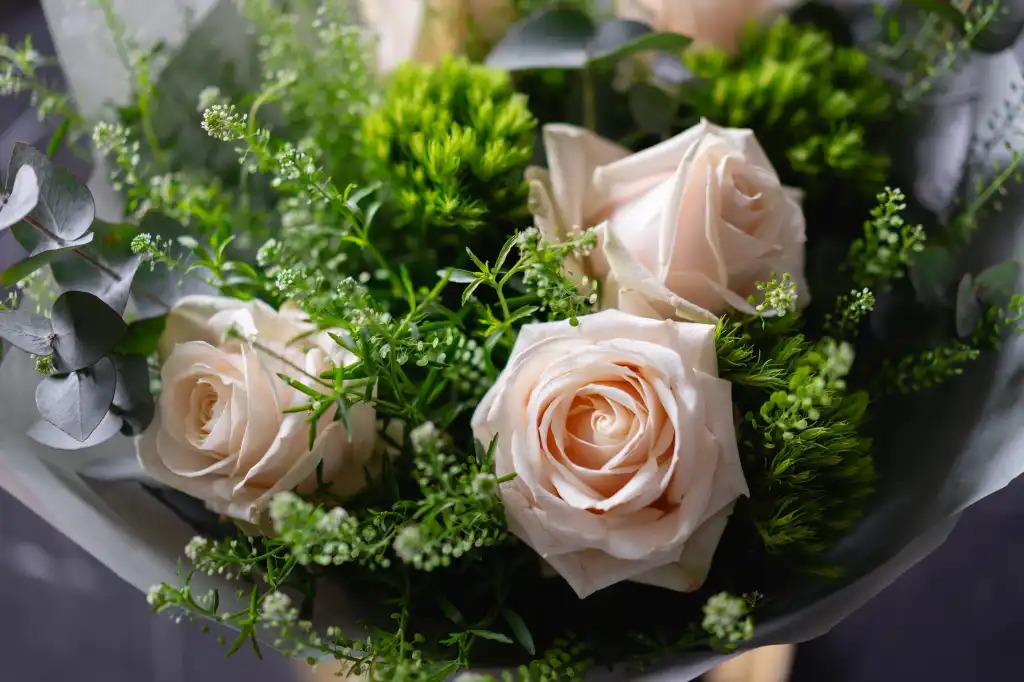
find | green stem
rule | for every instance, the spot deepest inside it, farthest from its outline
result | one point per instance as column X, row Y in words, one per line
column 589, row 100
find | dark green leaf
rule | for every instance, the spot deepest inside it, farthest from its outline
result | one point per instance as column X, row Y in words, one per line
column 493, row 636
column 133, row 399
column 142, row 336
column 968, row 308
column 76, row 403
column 57, row 139
column 520, row 630
column 46, row 433
column 557, row 39
column 31, row 333
column 619, row 38
column 652, row 108
column 86, row 329
column 932, row 272
column 65, row 208
column 41, row 252
column 999, row 282
column 22, row 197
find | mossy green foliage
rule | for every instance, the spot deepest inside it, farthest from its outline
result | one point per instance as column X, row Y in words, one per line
column 816, row 107
column 451, row 142
column 802, row 437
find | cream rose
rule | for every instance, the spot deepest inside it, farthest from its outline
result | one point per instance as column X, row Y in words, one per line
column 220, row 433
column 709, row 22
column 621, row 437
column 686, row 228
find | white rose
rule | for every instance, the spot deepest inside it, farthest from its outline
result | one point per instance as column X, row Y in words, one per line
column 220, row 433
column 709, row 22
column 686, row 228
column 621, row 437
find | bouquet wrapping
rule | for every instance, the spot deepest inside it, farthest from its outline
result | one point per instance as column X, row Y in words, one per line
column 936, row 453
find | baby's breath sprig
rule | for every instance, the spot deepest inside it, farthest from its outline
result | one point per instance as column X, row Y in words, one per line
column 779, row 296
column 727, row 619
column 882, row 254
column 844, row 322
column 924, row 370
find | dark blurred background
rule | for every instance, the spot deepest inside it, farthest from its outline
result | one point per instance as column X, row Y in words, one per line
column 959, row 615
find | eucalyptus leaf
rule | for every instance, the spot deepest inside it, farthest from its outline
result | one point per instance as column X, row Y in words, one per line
column 86, row 330
column 614, row 35
column 65, row 208
column 652, row 108
column 22, row 197
column 156, row 289
column 46, row 433
column 603, row 54
column 30, row 333
column 133, row 399
column 968, row 308
column 39, row 259
column 76, row 403
column 932, row 272
column 109, row 280
column 556, row 39
column 998, row 283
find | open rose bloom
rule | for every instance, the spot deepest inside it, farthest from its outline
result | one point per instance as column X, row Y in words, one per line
column 620, row 431
column 621, row 436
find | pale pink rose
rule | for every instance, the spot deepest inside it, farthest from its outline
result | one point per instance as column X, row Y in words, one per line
column 621, row 437
column 686, row 228
column 220, row 433
column 708, row 22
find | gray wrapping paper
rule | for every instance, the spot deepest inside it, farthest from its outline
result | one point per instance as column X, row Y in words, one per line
column 954, row 447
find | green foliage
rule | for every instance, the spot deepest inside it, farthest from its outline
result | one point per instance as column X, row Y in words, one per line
column 927, row 369
column 21, row 71
column 816, row 106
column 451, row 142
column 881, row 256
column 317, row 62
column 807, row 462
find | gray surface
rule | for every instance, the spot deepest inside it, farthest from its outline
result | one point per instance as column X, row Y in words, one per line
column 63, row 616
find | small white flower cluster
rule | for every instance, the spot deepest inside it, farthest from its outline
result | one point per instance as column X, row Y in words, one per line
column 838, row 361
column 779, row 296
column 109, row 137
column 316, row 535
column 292, row 165
column 426, row 438
column 277, row 609
column 726, row 618
column 269, row 253
column 223, row 122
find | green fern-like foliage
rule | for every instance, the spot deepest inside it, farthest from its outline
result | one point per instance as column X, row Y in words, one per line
column 806, row 458
column 814, row 104
column 451, row 142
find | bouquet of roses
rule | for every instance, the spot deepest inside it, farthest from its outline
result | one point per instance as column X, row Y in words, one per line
column 616, row 349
